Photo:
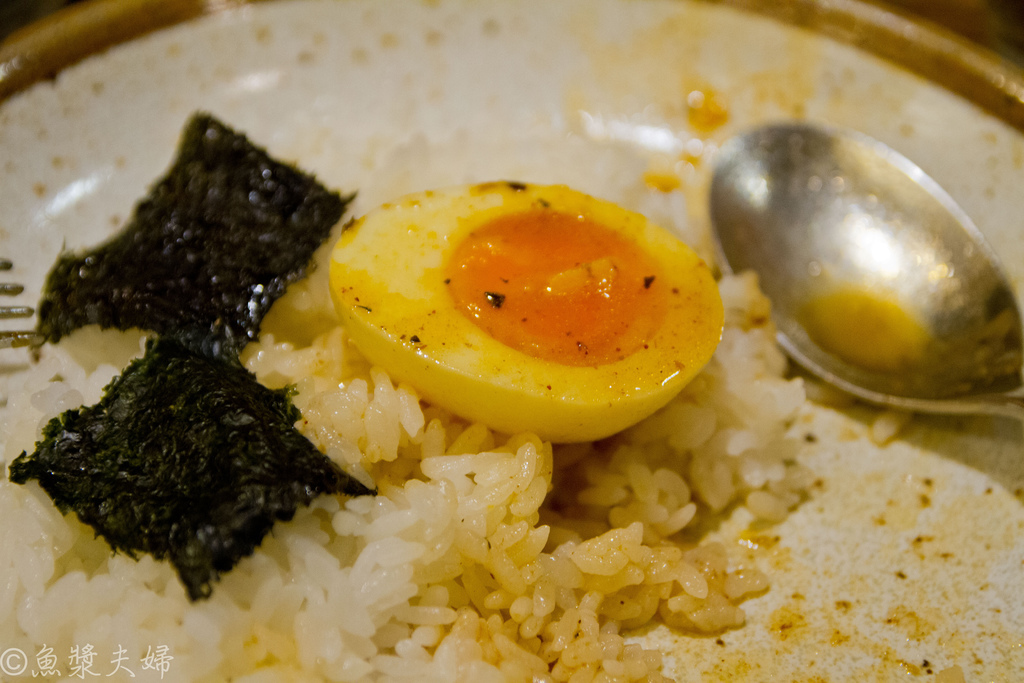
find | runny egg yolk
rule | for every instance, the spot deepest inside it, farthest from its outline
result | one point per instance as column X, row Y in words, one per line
column 557, row 286
column 527, row 308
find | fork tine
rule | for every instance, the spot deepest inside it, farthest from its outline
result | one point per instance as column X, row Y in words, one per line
column 16, row 312
column 10, row 340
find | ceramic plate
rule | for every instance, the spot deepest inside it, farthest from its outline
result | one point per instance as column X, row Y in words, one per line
column 908, row 556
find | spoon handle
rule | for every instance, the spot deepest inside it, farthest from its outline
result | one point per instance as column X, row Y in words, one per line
column 1006, row 404
column 1009, row 404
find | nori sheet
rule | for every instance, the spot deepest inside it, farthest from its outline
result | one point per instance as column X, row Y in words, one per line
column 206, row 252
column 186, row 457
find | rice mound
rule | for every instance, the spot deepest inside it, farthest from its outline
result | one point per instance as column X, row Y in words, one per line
column 486, row 557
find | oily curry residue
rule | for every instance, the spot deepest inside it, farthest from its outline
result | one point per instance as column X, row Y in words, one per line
column 865, row 329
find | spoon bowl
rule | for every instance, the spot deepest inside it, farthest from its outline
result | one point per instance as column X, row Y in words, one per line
column 880, row 283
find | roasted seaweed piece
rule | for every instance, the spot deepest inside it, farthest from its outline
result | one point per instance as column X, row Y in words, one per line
column 207, row 251
column 186, row 457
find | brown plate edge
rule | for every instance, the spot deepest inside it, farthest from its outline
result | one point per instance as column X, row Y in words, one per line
column 40, row 51
column 933, row 52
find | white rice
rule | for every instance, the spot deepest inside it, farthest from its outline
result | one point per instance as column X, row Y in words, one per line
column 485, row 557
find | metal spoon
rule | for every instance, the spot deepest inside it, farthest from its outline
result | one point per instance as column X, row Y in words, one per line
column 880, row 284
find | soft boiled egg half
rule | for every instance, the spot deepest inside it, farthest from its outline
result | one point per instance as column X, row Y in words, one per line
column 527, row 308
